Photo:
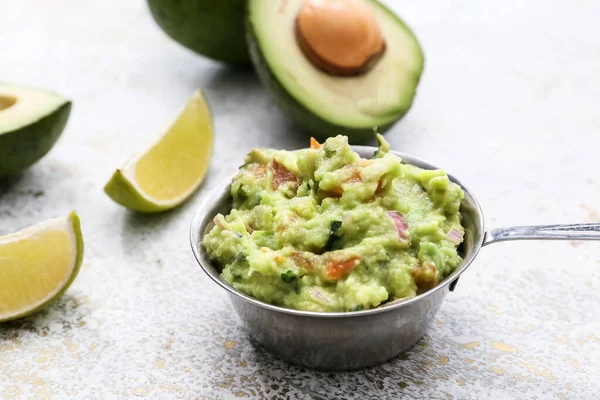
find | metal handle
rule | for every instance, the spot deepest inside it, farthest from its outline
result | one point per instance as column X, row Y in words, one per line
column 544, row 232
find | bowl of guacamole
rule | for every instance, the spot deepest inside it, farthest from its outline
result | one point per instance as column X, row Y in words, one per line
column 323, row 229
column 337, row 256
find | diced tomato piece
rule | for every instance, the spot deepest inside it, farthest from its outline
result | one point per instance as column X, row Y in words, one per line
column 314, row 144
column 281, row 175
column 338, row 268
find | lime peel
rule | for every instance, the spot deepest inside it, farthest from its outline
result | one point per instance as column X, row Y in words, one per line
column 35, row 265
column 170, row 170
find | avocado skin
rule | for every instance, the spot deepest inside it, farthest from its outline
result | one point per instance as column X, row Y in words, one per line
column 24, row 146
column 212, row 28
column 313, row 124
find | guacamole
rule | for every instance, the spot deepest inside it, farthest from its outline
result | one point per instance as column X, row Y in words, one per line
column 322, row 229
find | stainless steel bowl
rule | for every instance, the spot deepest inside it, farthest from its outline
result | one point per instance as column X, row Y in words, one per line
column 341, row 341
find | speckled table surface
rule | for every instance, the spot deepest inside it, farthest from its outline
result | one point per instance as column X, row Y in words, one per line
column 508, row 102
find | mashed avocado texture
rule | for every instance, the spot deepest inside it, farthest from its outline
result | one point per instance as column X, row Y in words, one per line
column 323, row 229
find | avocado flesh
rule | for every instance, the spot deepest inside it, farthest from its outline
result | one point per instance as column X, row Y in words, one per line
column 327, row 105
column 212, row 28
column 31, row 121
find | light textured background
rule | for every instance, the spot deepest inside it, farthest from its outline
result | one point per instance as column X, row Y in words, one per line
column 508, row 102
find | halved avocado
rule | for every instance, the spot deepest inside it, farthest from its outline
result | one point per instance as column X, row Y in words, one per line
column 335, row 66
column 31, row 121
column 212, row 28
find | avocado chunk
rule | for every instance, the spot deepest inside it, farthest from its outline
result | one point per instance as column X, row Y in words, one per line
column 212, row 28
column 31, row 121
column 336, row 66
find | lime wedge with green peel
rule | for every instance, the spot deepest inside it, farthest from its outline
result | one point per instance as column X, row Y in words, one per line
column 166, row 174
column 31, row 121
column 38, row 264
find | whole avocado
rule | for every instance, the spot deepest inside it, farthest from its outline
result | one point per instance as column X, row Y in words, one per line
column 212, row 28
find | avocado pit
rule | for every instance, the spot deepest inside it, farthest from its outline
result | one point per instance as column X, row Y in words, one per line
column 340, row 37
column 7, row 101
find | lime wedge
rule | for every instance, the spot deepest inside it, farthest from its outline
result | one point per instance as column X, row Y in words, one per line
column 38, row 264
column 166, row 174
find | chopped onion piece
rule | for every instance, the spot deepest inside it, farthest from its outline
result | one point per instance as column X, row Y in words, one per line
column 318, row 296
column 401, row 224
column 455, row 236
column 219, row 221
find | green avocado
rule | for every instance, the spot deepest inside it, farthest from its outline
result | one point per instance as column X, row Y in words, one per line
column 31, row 121
column 212, row 28
column 326, row 105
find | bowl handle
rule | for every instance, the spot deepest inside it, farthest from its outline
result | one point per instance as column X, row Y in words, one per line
column 544, row 232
